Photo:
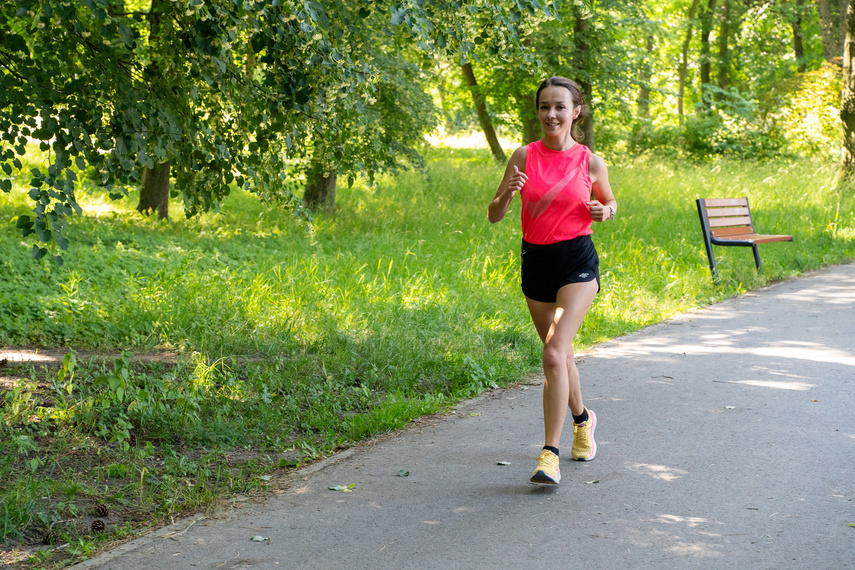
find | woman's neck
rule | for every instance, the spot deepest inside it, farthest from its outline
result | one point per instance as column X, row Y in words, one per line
column 558, row 143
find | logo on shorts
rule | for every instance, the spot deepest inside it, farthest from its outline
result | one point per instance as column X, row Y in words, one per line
column 584, row 275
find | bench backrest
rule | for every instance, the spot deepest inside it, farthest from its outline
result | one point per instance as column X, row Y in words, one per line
column 728, row 216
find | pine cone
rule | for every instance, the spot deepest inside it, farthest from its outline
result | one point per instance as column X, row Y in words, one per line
column 101, row 510
column 98, row 526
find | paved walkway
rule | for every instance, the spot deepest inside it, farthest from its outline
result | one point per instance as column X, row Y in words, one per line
column 726, row 440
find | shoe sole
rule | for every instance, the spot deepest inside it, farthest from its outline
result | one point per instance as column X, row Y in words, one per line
column 547, row 481
column 544, row 483
column 593, row 420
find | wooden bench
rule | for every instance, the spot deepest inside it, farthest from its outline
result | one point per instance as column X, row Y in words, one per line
column 727, row 221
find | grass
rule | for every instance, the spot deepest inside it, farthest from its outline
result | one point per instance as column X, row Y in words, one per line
column 292, row 344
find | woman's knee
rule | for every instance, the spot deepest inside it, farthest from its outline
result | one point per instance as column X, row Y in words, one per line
column 556, row 357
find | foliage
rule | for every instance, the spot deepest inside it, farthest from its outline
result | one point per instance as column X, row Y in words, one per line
column 226, row 91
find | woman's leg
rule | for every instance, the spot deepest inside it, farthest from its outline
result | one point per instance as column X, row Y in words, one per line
column 557, row 324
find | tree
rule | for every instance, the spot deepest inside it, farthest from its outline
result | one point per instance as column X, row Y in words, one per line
column 847, row 103
column 684, row 63
column 582, row 40
column 483, row 116
column 798, row 41
column 829, row 41
column 723, row 48
column 94, row 90
column 706, row 28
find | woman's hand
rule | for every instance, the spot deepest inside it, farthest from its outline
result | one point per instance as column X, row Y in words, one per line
column 599, row 212
column 512, row 182
column 517, row 181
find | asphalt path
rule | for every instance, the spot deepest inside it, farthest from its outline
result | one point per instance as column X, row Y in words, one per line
column 726, row 440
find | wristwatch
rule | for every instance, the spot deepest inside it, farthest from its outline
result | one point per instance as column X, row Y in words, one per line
column 612, row 216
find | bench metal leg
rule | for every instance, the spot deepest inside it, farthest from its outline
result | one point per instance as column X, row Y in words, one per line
column 757, row 258
column 705, row 229
column 711, row 259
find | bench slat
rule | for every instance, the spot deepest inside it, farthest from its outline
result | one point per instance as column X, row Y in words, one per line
column 723, row 222
column 732, row 231
column 724, row 202
column 723, row 212
column 752, row 237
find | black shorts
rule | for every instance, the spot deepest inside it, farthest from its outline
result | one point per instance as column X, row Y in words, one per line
column 548, row 268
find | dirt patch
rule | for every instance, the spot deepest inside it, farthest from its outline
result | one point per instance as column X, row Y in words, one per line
column 53, row 356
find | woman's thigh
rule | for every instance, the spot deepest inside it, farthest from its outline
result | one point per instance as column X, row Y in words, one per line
column 557, row 323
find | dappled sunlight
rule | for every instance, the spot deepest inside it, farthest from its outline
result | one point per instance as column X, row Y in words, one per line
column 696, row 549
column 661, row 472
column 780, row 385
column 675, row 519
column 812, row 352
column 473, row 139
column 834, row 295
column 27, row 355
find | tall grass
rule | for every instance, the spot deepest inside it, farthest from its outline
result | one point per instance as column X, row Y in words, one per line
column 403, row 300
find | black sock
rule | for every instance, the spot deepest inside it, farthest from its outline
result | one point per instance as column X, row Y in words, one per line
column 552, row 449
column 583, row 417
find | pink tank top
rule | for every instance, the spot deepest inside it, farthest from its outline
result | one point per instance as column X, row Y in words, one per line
column 554, row 199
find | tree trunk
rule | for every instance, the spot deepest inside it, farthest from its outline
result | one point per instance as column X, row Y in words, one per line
column 706, row 28
column 154, row 194
column 527, row 114
column 320, row 188
column 723, row 52
column 798, row 44
column 841, row 26
column 684, row 63
column 829, row 42
column 847, row 103
column 643, row 102
column 581, row 30
column 483, row 116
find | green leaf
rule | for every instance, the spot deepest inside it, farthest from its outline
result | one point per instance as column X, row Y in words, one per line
column 6, row 185
column 594, row 482
column 503, row 463
column 402, row 473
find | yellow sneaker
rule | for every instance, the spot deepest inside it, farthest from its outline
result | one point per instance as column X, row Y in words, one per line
column 547, row 471
column 584, row 446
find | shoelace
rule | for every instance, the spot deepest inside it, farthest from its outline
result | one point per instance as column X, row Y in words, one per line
column 582, row 433
column 548, row 460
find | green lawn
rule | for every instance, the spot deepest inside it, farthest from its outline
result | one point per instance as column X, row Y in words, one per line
column 402, row 302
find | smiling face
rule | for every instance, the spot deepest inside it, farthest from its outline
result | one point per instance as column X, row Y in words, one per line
column 556, row 111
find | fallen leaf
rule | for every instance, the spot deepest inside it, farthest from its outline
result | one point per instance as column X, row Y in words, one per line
column 402, row 473
column 851, row 524
column 343, row 489
column 266, row 477
column 503, row 463
column 258, row 538
column 730, row 407
column 474, row 413
column 814, row 400
column 592, row 482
